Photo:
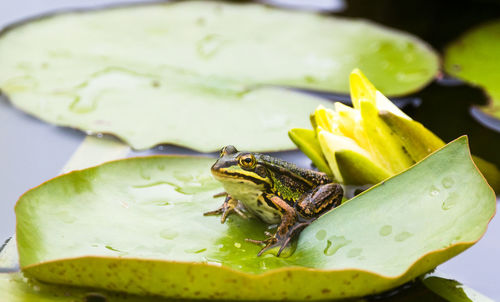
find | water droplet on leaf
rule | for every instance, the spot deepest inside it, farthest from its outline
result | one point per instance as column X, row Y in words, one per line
column 354, row 252
column 168, row 234
column 434, row 191
column 403, row 236
column 321, row 234
column 448, row 182
column 385, row 230
column 450, row 201
column 209, row 45
column 334, row 243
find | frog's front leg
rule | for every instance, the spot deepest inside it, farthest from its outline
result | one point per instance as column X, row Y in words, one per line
column 229, row 206
column 291, row 225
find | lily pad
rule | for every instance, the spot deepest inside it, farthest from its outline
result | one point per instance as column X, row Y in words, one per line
column 184, row 73
column 474, row 58
column 14, row 287
column 136, row 225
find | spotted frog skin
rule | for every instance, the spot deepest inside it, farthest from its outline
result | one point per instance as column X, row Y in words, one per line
column 276, row 191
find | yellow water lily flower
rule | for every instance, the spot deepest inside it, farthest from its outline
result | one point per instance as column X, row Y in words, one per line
column 365, row 144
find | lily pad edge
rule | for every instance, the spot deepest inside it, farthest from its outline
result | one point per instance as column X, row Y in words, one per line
column 440, row 254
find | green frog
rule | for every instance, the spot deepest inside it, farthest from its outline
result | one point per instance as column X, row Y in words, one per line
column 276, row 191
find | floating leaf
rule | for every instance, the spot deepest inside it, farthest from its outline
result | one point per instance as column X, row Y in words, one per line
column 16, row 288
column 136, row 225
column 474, row 58
column 452, row 290
column 186, row 73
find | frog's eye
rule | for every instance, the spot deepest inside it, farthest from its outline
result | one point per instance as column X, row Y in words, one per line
column 247, row 161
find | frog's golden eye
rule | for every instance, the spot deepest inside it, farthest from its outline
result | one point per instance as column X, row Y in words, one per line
column 247, row 161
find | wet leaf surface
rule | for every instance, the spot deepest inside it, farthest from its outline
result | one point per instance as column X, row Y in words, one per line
column 188, row 72
column 16, row 288
column 136, row 225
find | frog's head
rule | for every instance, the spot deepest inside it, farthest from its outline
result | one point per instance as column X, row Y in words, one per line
column 240, row 167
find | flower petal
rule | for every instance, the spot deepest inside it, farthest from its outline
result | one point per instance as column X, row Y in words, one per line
column 307, row 142
column 384, row 145
column 361, row 88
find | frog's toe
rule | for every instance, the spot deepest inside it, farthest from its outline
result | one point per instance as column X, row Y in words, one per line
column 221, row 194
column 278, row 247
column 224, row 210
column 239, row 212
column 282, row 243
column 229, row 206
column 266, row 241
column 271, row 244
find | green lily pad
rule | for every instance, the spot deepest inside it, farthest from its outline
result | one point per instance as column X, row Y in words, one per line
column 452, row 290
column 136, row 225
column 14, row 287
column 185, row 73
column 474, row 58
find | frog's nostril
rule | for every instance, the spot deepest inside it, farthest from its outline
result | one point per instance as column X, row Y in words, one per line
column 216, row 166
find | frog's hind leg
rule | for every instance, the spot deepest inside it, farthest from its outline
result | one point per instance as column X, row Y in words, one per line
column 320, row 200
column 229, row 206
column 290, row 227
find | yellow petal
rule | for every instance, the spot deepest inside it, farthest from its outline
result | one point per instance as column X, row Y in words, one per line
column 383, row 144
column 384, row 104
column 331, row 143
column 329, row 152
column 357, row 169
column 417, row 140
column 346, row 117
column 326, row 119
column 323, row 118
column 361, row 88
column 360, row 135
column 308, row 143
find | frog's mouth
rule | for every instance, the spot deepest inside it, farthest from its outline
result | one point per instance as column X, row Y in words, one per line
column 224, row 175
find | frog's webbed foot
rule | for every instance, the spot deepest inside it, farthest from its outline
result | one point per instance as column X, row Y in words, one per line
column 282, row 239
column 229, row 206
